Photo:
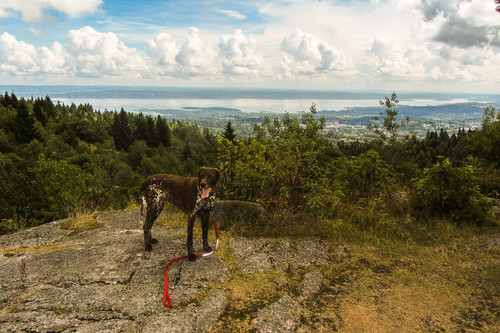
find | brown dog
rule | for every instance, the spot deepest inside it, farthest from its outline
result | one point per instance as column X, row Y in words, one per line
column 194, row 196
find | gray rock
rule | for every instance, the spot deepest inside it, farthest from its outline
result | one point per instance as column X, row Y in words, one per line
column 258, row 255
column 37, row 236
column 103, row 280
column 191, row 319
column 98, row 280
column 277, row 317
column 311, row 252
column 311, row 284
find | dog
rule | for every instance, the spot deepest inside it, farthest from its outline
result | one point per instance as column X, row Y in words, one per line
column 194, row 196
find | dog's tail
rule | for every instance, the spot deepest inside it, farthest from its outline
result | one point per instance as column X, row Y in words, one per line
column 143, row 209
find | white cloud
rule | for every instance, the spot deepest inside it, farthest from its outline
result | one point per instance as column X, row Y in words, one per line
column 162, row 49
column 306, row 54
column 52, row 60
column 34, row 10
column 233, row 14
column 239, row 56
column 194, row 57
column 96, row 53
column 17, row 57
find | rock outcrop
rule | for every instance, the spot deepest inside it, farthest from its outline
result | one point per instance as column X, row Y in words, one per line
column 57, row 280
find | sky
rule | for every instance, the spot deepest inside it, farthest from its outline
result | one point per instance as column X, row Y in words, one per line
column 418, row 45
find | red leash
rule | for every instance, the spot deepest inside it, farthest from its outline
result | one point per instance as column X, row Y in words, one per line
column 166, row 295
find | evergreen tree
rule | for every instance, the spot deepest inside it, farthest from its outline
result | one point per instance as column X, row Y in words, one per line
column 140, row 131
column 229, row 132
column 150, row 137
column 162, row 131
column 39, row 112
column 186, row 152
column 25, row 129
column 121, row 132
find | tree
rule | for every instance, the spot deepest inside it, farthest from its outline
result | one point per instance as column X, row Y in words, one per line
column 387, row 126
column 140, row 127
column 150, row 137
column 162, row 131
column 122, row 135
column 228, row 133
column 25, row 123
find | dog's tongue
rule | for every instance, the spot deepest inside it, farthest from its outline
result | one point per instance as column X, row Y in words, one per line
column 205, row 192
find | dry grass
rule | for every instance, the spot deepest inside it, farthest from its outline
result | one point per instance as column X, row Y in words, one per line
column 81, row 223
column 51, row 247
column 450, row 285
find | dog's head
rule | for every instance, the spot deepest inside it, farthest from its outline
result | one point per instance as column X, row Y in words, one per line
column 207, row 178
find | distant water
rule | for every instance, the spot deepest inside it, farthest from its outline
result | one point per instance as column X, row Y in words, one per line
column 134, row 99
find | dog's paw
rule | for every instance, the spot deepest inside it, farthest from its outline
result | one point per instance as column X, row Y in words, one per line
column 154, row 241
column 207, row 248
column 192, row 257
column 148, row 247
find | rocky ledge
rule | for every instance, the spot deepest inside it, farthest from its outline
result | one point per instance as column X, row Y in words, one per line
column 57, row 280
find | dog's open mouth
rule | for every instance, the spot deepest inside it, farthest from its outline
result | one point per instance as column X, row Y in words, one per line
column 205, row 192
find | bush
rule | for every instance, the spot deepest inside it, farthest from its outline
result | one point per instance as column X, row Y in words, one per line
column 451, row 192
column 59, row 186
column 363, row 176
column 280, row 167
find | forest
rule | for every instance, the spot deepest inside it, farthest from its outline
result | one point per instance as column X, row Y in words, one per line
column 61, row 160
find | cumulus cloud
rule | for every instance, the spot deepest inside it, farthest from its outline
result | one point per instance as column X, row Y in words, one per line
column 162, row 49
column 96, row 53
column 186, row 56
column 35, row 10
column 386, row 58
column 306, row 54
column 17, row 57
column 194, row 56
column 238, row 54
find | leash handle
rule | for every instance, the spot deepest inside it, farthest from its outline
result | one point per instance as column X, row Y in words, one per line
column 167, row 301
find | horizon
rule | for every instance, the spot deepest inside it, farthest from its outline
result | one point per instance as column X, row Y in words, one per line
column 251, row 100
column 446, row 46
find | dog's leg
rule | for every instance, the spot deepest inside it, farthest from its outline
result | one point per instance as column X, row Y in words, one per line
column 149, row 213
column 205, row 218
column 191, row 255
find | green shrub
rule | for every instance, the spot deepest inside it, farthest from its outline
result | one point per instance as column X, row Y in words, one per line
column 58, row 187
column 280, row 167
column 451, row 192
column 364, row 176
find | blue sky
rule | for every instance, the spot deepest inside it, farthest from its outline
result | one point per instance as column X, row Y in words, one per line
column 444, row 45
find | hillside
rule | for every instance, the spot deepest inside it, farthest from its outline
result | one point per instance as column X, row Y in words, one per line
column 91, row 274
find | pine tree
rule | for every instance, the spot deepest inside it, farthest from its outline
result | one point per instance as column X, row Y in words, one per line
column 122, row 135
column 150, row 137
column 229, row 132
column 25, row 129
column 162, row 131
column 140, row 127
